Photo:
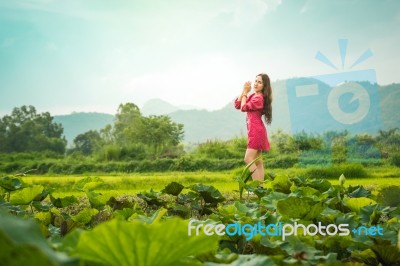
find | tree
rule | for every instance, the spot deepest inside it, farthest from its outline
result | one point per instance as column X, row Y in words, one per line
column 25, row 130
column 88, row 142
column 128, row 125
column 158, row 133
column 305, row 142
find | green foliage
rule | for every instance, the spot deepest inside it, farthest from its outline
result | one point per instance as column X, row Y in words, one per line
column 209, row 193
column 245, row 176
column 157, row 133
column 152, row 198
column 215, row 149
column 389, row 196
column 173, row 188
column 141, row 229
column 88, row 183
column 355, row 204
column 63, row 202
column 395, row 159
column 21, row 243
column 25, row 130
column 10, row 183
column 283, row 142
column 123, row 243
column 85, row 216
column 26, row 195
column 281, row 184
column 304, row 142
column 88, row 142
column 299, row 208
column 349, row 170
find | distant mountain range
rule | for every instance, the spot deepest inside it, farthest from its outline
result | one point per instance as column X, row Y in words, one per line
column 290, row 113
column 78, row 123
column 161, row 107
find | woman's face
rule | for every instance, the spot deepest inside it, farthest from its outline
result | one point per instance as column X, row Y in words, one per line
column 258, row 84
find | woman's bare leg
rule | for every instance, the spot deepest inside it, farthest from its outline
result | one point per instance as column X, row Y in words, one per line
column 258, row 167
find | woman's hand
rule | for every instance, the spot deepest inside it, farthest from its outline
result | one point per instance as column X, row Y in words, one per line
column 246, row 87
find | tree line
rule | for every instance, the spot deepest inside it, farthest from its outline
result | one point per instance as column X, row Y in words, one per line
column 134, row 137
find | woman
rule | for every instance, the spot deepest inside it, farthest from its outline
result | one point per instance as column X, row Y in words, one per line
column 255, row 105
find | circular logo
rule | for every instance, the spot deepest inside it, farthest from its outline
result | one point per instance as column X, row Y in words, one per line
column 360, row 94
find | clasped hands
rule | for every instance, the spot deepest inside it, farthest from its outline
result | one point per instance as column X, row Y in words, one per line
column 246, row 88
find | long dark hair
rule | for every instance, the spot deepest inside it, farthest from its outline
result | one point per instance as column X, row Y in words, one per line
column 267, row 92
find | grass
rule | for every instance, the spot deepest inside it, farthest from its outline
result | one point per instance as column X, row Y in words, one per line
column 128, row 184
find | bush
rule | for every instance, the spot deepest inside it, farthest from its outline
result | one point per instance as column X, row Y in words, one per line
column 283, row 161
column 395, row 159
column 349, row 170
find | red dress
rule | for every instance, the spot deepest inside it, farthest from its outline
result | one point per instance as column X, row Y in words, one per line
column 256, row 132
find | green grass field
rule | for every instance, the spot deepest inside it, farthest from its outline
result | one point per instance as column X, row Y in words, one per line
column 128, row 184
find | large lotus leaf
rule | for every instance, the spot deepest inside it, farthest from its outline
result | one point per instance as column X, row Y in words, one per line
column 26, row 195
column 337, row 244
column 348, row 218
column 237, row 212
column 271, row 200
column 123, row 243
column 389, row 255
column 358, row 192
column 181, row 211
column 124, row 214
column 371, row 214
column 152, row 197
column 299, row 208
column 248, row 260
column 315, row 211
column 190, row 197
column 321, row 185
column 366, row 255
column 305, row 191
column 21, row 243
column 173, row 188
column 281, row 184
column 389, row 196
column 88, row 183
column 157, row 215
column 209, row 193
column 97, row 200
column 355, row 204
column 85, row 216
column 329, row 215
column 63, row 202
column 299, row 250
column 10, row 183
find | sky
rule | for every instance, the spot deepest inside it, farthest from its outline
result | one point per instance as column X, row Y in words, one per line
column 92, row 55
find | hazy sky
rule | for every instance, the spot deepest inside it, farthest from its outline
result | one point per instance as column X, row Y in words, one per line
column 92, row 55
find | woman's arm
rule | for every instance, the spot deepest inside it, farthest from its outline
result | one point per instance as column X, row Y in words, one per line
column 256, row 103
column 243, row 97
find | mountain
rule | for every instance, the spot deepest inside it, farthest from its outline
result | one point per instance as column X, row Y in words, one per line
column 157, row 107
column 161, row 107
column 78, row 123
column 292, row 112
column 389, row 103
